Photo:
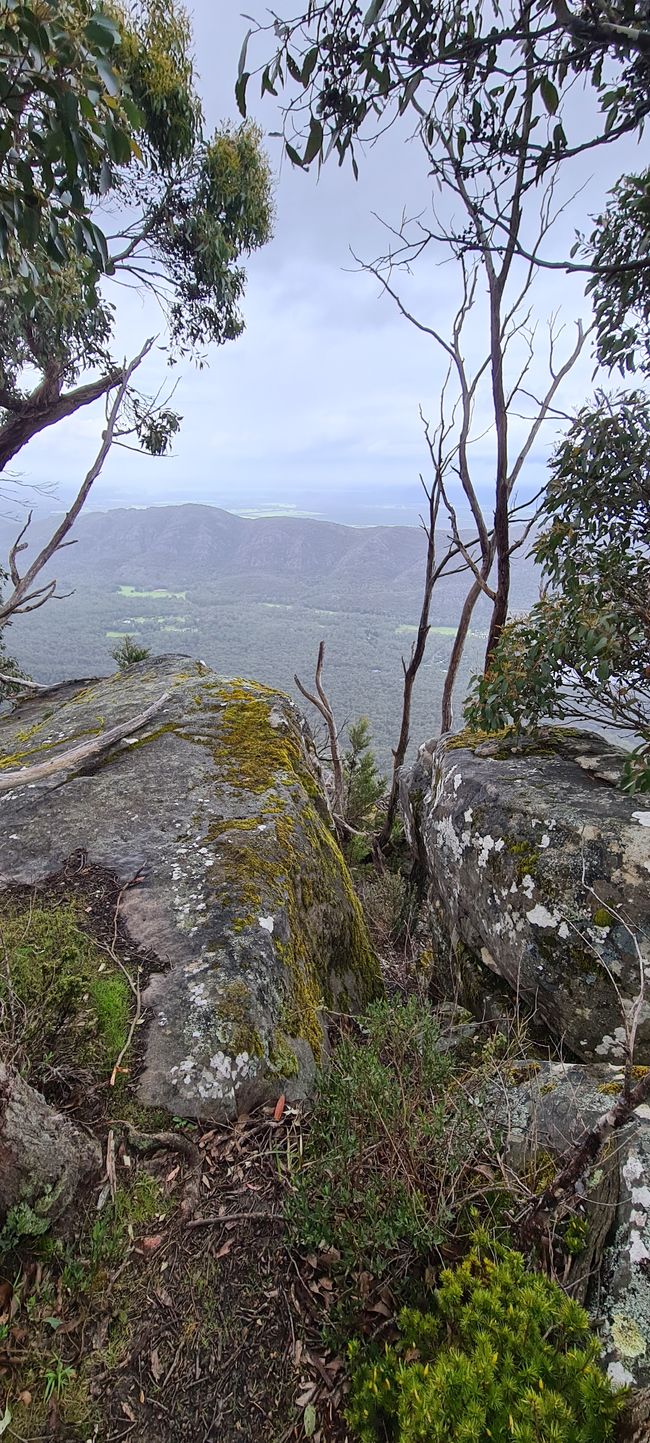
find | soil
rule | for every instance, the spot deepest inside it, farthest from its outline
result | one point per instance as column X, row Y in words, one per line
column 171, row 1306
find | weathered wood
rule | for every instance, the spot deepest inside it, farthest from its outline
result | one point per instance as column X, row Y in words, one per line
column 78, row 756
column 44, row 1158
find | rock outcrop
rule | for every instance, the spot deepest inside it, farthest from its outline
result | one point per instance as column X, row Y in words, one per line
column 550, row 1111
column 44, row 1157
column 539, row 883
column 215, row 803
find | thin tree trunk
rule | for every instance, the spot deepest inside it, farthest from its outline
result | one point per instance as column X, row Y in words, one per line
column 411, row 671
column 447, row 710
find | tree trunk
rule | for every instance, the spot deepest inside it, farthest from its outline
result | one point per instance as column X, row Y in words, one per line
column 43, row 1157
column 447, row 713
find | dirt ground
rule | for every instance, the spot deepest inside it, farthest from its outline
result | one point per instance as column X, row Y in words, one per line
column 172, row 1306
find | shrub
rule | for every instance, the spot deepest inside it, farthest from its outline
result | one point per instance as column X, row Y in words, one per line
column 503, row 1354
column 391, row 1141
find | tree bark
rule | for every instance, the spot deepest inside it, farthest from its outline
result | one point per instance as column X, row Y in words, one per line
column 44, row 1158
column 23, row 424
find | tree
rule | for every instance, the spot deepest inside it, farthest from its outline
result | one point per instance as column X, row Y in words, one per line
column 487, row 97
column 357, row 66
column 583, row 651
column 618, row 248
column 127, row 652
column 106, row 124
column 364, row 785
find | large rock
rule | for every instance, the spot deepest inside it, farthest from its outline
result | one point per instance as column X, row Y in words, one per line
column 539, row 883
column 549, row 1111
column 245, row 898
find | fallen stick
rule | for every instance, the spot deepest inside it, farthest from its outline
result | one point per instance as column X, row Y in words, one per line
column 79, row 755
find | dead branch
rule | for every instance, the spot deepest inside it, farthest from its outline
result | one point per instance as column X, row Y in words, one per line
column 38, row 411
column 78, row 756
column 322, row 705
column 24, row 596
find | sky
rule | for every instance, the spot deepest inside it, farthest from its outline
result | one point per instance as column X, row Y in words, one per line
column 317, row 407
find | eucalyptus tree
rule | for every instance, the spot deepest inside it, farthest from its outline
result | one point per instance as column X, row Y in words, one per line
column 502, row 101
column 109, row 179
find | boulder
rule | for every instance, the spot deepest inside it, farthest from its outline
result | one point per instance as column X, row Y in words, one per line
column 45, row 1158
column 538, row 875
column 215, row 804
column 549, row 1112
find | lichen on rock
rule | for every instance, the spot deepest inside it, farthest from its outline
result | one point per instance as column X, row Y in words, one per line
column 245, row 897
column 538, row 872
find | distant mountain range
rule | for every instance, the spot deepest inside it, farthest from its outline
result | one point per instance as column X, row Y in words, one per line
column 254, row 597
column 318, row 563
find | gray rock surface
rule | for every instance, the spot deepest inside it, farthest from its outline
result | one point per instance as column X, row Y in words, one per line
column 549, row 1112
column 539, row 884
column 245, row 898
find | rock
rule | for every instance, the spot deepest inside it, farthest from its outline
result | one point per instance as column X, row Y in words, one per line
column 549, row 1111
column 538, row 871
column 44, row 1157
column 245, row 898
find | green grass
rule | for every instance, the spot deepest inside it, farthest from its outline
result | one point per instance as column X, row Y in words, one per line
column 157, row 592
column 62, row 1002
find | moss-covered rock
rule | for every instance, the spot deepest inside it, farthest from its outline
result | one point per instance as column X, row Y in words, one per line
column 244, row 896
column 538, row 870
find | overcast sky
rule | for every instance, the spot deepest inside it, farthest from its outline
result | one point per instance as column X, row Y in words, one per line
column 317, row 406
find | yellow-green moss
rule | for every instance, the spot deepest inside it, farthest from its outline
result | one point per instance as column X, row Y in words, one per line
column 29, row 754
column 602, row 918
column 235, row 1008
column 282, row 1058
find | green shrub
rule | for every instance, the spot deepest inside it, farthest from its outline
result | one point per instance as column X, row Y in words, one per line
column 503, row 1354
column 390, row 1138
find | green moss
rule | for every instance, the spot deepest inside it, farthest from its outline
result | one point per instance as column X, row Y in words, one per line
column 30, row 754
column 235, row 1009
column 526, row 858
column 282, row 1058
column 602, row 918
column 75, row 1004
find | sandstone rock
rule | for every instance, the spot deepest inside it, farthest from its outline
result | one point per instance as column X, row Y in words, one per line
column 245, row 898
column 550, row 1111
column 44, row 1158
column 539, row 883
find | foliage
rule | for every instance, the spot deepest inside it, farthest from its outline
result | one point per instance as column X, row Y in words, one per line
column 620, row 247
column 364, row 786
column 389, row 1141
column 128, row 652
column 61, row 1005
column 100, row 106
column 355, row 66
column 21, row 1222
column 502, row 1353
column 66, row 120
column 583, row 649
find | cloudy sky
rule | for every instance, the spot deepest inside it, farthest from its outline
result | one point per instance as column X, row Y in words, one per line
column 317, row 406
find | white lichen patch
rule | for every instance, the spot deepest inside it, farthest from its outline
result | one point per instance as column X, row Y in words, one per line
column 643, row 818
column 612, row 1044
column 540, row 916
column 267, row 923
column 619, row 1376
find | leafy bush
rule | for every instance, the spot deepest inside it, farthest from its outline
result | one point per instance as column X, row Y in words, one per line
column 583, row 650
column 390, row 1140
column 503, row 1354
column 364, row 784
